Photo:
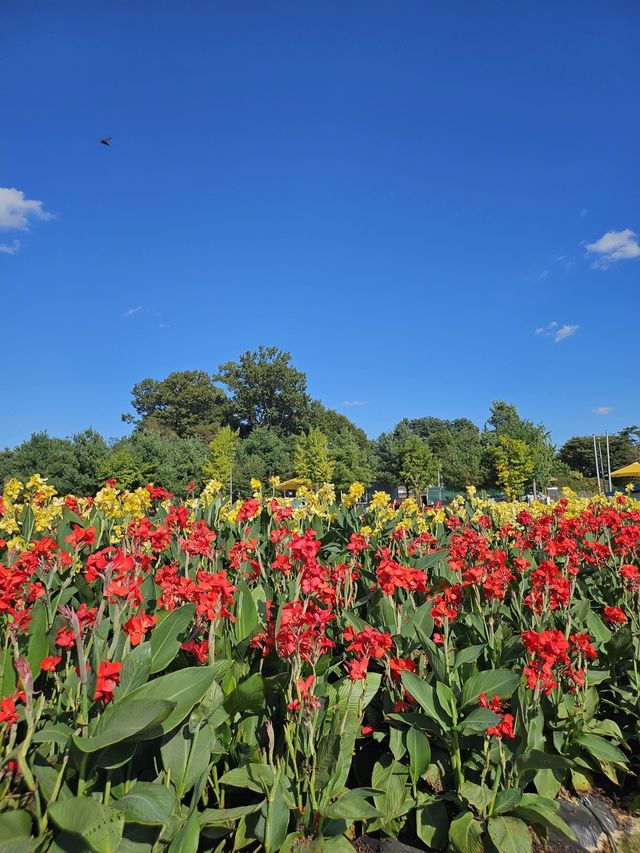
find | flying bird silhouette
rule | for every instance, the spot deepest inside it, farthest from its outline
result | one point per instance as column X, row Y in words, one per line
column 106, row 141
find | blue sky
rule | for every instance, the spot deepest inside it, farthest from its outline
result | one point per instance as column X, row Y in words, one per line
column 398, row 193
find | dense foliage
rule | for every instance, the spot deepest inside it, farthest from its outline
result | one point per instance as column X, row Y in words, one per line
column 184, row 674
column 259, row 424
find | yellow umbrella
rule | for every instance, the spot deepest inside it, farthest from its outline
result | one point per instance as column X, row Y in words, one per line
column 632, row 470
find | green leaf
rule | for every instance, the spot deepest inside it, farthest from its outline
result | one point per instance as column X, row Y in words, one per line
column 536, row 759
column 494, row 682
column 148, row 803
column 277, row 818
column 478, row 795
column 99, row 826
column 136, row 668
column 479, row 720
column 602, row 749
column 597, row 628
column 353, row 806
column 432, row 825
column 510, row 835
column 419, row 753
column 507, row 800
column 248, row 696
column 469, row 655
column 168, row 635
column 188, row 839
column 542, row 811
column 246, row 613
column 426, row 697
column 184, row 687
column 465, row 834
column 58, row 733
column 38, row 640
column 222, row 817
column 15, row 824
column 123, row 720
column 255, row 777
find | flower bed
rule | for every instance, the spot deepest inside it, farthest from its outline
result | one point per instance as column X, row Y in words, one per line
column 181, row 674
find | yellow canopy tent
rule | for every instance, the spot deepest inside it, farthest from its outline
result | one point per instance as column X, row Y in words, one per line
column 293, row 485
column 632, row 470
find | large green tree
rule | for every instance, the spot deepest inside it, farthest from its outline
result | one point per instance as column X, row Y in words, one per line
column 514, row 464
column 223, row 448
column 312, row 460
column 265, row 390
column 419, row 467
column 504, row 421
column 262, row 454
column 624, row 448
column 186, row 403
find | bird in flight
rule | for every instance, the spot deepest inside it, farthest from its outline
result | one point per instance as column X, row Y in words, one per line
column 106, row 141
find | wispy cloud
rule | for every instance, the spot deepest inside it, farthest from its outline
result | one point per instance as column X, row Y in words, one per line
column 584, row 211
column 354, row 402
column 131, row 311
column 602, row 410
column 565, row 332
column 16, row 211
column 556, row 331
column 10, row 248
column 614, row 246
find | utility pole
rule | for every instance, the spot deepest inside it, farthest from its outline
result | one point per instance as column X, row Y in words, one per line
column 595, row 454
column 604, row 484
column 609, row 462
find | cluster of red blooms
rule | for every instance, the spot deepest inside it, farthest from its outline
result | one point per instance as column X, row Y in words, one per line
column 392, row 576
column 446, row 606
column 550, row 588
column 302, row 631
column 86, row 616
column 8, row 709
column 107, row 680
column 199, row 541
column 505, row 727
column 305, row 700
column 481, row 565
column 550, row 661
column 365, row 644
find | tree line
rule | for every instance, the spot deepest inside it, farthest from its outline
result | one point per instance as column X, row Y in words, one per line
column 254, row 418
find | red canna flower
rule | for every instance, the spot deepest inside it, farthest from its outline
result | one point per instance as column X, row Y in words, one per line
column 8, row 712
column 107, row 680
column 137, row 627
column 49, row 664
column 80, row 537
column 615, row 615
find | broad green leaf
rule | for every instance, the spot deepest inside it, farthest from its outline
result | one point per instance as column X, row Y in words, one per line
column 38, row 640
column 15, row 824
column 353, row 806
column 465, row 834
column 602, row 749
column 479, row 796
column 469, row 655
column 246, row 613
column 419, row 753
column 479, row 720
column 136, row 668
column 426, row 697
column 184, row 687
column 58, row 733
column 277, row 817
column 507, row 800
column 542, row 811
column 432, row 825
column 494, row 682
column 536, row 759
column 123, row 720
column 255, row 777
column 99, row 826
column 510, row 835
column 168, row 635
column 248, row 696
column 222, row 817
column 147, row 803
column 188, row 839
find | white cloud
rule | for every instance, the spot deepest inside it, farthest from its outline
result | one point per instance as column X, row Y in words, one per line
column 602, row 410
column 556, row 331
column 131, row 311
column 354, row 402
column 615, row 246
column 16, row 211
column 565, row 332
column 10, row 248
column 546, row 330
